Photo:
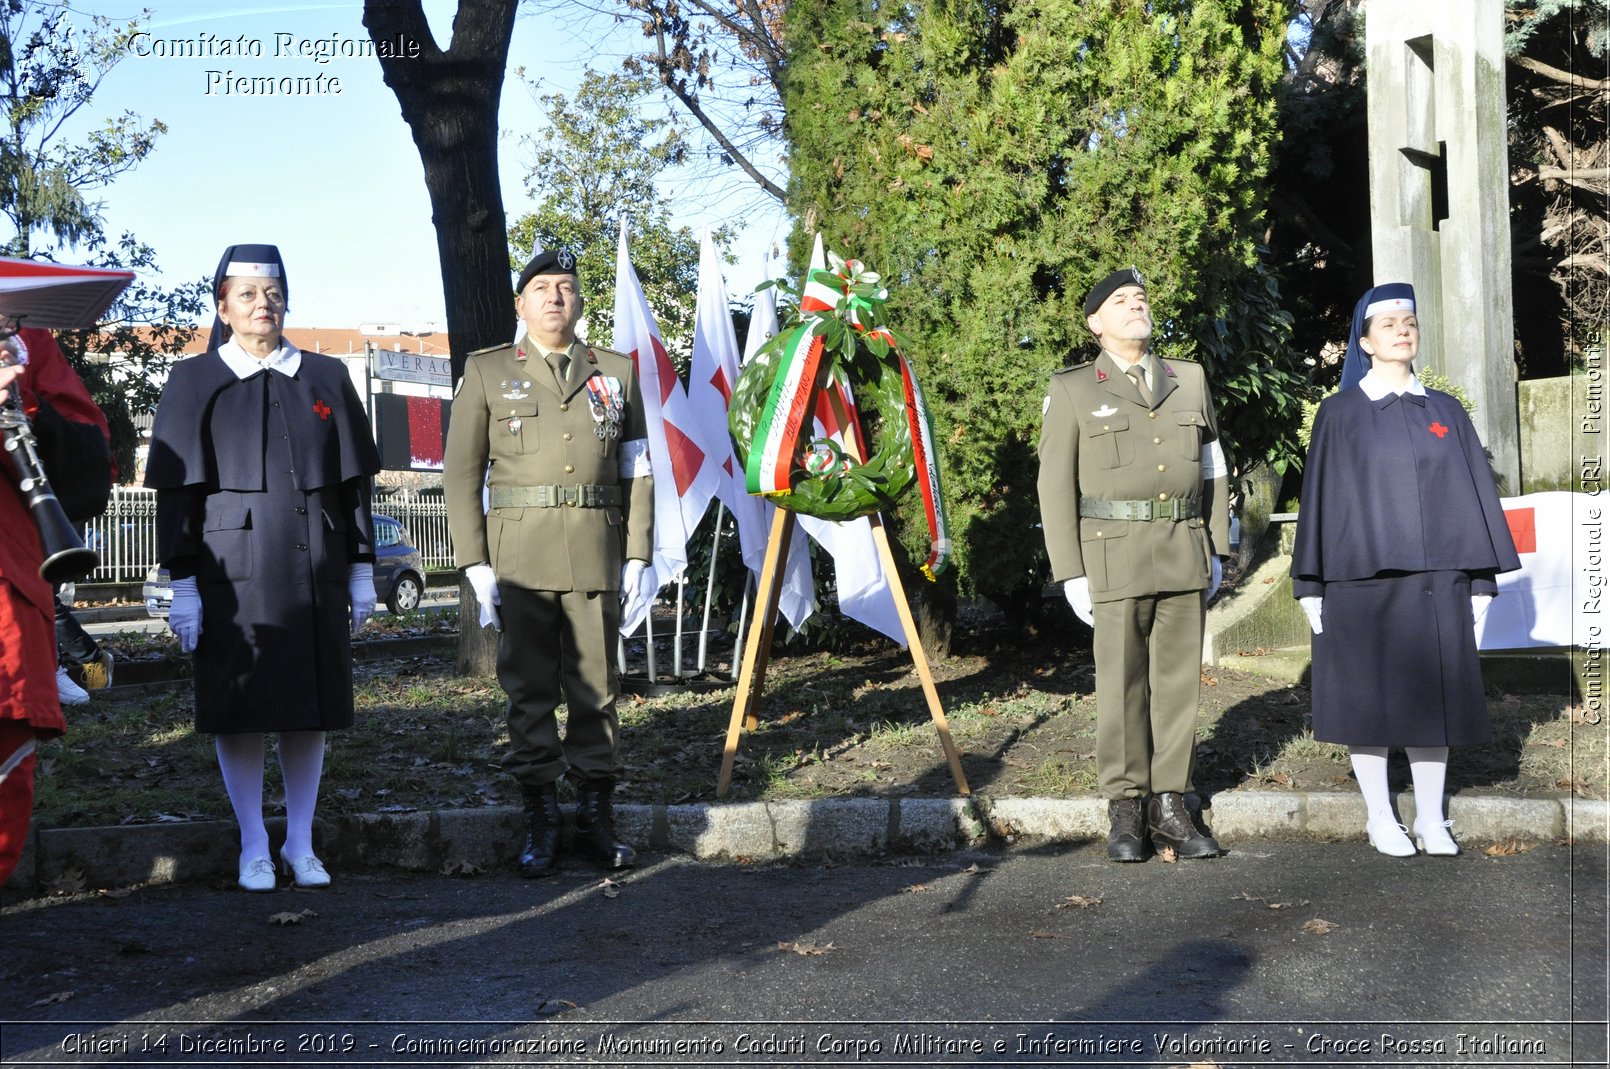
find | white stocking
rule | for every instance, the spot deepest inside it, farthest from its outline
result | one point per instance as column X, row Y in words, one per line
column 1369, row 768
column 1429, row 765
column 302, row 765
column 240, row 758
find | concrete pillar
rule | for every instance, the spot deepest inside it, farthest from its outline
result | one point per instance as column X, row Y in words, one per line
column 1439, row 196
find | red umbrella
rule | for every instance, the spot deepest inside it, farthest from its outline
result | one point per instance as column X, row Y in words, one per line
column 55, row 296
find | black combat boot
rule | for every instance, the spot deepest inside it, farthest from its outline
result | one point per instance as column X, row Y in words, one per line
column 1171, row 825
column 540, row 855
column 1127, row 839
column 595, row 827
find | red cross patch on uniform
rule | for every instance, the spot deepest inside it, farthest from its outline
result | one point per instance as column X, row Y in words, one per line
column 321, row 410
column 1438, row 429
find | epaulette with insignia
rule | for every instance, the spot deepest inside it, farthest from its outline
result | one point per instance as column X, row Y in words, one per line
column 488, row 349
column 1075, row 367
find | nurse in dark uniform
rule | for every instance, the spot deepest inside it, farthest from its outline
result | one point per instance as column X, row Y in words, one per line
column 262, row 461
column 1399, row 538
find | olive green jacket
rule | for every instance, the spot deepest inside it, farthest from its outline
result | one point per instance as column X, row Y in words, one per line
column 1099, row 440
column 512, row 425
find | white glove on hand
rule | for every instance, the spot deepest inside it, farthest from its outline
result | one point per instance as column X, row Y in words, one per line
column 184, row 615
column 1215, row 578
column 636, row 589
column 1312, row 608
column 485, row 584
column 1479, row 604
column 1077, row 591
column 361, row 592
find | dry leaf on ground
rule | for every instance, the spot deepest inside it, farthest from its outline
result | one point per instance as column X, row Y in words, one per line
column 610, row 888
column 1319, row 927
column 54, row 997
column 972, row 870
column 915, row 888
column 69, row 881
column 1508, row 848
column 1079, row 902
column 807, row 950
column 1167, row 855
column 291, row 918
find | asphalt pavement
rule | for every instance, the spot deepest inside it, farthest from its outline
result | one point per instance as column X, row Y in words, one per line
column 1280, row 953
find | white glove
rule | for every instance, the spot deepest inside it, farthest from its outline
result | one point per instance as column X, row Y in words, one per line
column 1312, row 608
column 361, row 591
column 1479, row 604
column 1215, row 578
column 184, row 615
column 637, row 589
column 1077, row 591
column 485, row 584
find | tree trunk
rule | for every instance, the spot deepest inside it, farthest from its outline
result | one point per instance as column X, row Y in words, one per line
column 450, row 101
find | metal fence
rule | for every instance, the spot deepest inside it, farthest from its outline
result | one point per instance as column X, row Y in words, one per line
column 125, row 534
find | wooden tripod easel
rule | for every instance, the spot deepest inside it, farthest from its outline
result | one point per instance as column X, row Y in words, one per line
column 757, row 650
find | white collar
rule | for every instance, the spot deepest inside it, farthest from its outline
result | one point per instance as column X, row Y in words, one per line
column 1376, row 390
column 286, row 359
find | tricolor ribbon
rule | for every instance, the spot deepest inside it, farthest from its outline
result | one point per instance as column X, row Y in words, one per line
column 800, row 389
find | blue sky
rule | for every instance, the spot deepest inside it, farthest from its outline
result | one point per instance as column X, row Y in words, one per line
column 333, row 178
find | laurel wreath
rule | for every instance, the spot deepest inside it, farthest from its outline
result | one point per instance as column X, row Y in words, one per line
column 825, row 481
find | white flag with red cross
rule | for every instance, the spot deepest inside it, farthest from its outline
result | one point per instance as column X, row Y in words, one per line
column 684, row 477
column 1557, row 598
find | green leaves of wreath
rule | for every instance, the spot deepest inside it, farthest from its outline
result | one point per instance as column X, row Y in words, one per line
column 860, row 350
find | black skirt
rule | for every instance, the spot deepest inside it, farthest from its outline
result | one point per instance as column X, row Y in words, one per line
column 1396, row 663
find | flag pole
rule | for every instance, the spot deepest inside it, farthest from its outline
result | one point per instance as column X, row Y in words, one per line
column 710, row 588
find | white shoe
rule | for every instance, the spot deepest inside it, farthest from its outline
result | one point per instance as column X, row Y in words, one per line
column 1389, row 837
column 257, row 874
column 308, row 871
column 1435, row 839
column 67, row 691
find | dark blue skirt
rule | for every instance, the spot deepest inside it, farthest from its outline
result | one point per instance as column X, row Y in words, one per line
column 1397, row 664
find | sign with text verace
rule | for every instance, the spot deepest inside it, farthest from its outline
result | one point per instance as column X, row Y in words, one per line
column 411, row 367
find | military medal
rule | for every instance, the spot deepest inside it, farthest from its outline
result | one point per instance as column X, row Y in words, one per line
column 604, row 397
column 515, row 389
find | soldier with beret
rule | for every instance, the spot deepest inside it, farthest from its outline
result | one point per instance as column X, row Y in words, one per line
column 1133, row 496
column 553, row 429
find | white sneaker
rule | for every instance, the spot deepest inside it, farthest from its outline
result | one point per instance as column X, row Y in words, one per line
column 1435, row 838
column 1389, row 837
column 69, row 692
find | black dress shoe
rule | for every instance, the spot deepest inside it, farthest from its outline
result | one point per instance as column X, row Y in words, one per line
column 1127, row 839
column 595, row 827
column 1172, row 825
column 540, row 854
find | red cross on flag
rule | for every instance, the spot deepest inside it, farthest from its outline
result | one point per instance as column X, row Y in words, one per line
column 1559, row 594
column 684, row 478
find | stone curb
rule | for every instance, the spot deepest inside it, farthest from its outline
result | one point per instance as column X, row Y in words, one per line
column 838, row 828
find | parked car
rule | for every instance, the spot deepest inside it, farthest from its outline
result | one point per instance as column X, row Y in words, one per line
column 399, row 573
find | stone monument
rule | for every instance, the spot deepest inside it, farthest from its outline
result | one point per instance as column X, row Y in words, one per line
column 1439, row 196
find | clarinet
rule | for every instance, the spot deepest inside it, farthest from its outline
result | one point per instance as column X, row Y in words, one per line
column 66, row 557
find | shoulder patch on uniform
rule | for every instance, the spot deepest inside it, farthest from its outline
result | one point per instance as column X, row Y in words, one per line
column 490, row 349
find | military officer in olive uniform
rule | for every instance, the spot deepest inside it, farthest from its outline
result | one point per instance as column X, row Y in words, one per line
column 1133, row 497
column 554, row 429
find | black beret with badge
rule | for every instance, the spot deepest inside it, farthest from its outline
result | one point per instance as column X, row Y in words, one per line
column 1127, row 276
column 547, row 262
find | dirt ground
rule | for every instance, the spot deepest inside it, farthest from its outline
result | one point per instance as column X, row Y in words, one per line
column 844, row 722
